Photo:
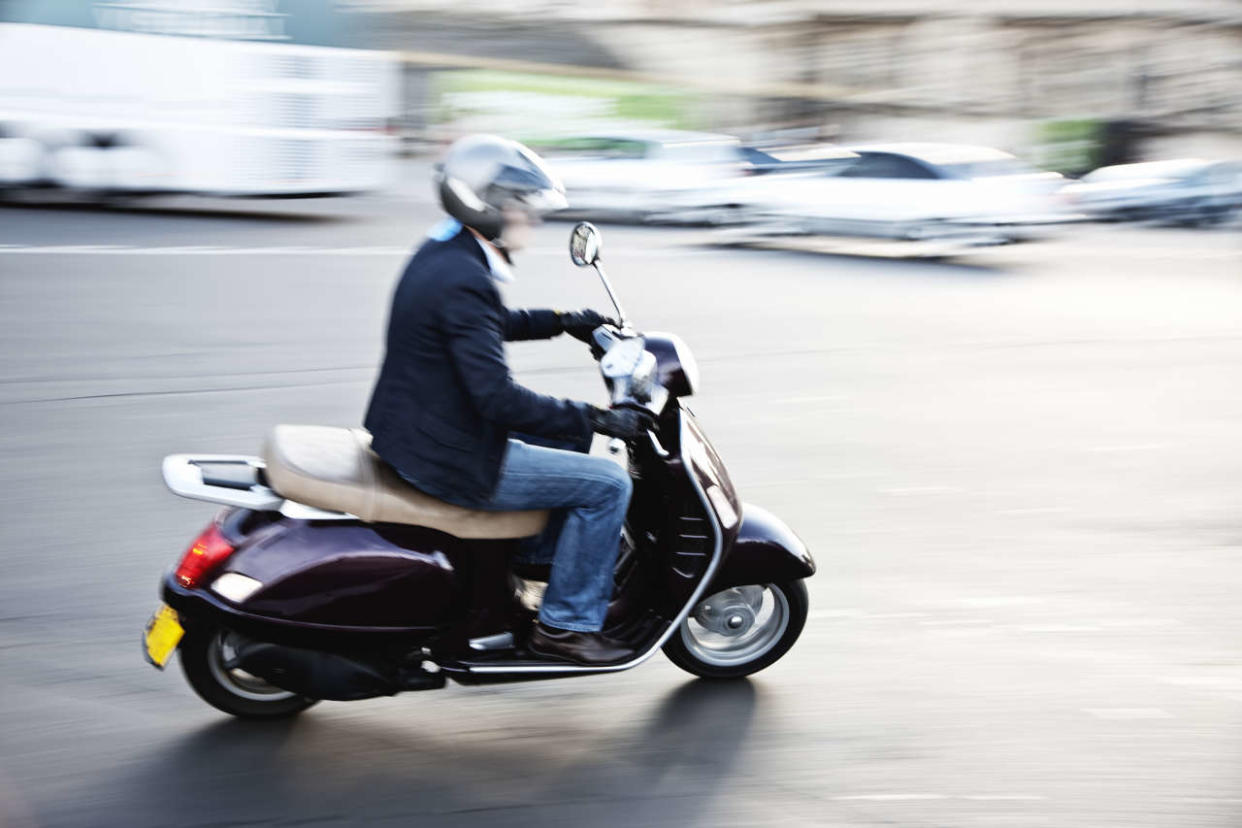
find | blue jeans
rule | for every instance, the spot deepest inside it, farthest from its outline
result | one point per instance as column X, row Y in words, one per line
column 589, row 496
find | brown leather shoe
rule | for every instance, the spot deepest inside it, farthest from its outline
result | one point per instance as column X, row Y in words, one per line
column 588, row 649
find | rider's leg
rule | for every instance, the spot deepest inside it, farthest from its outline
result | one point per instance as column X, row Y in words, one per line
column 541, row 549
column 595, row 493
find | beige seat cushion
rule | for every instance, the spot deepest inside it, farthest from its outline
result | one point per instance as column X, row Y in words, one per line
column 335, row 469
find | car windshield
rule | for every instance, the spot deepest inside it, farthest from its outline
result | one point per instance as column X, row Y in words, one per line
column 809, row 153
column 611, row 148
column 701, row 152
column 879, row 165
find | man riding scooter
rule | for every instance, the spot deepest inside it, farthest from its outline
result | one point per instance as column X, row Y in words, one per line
column 445, row 409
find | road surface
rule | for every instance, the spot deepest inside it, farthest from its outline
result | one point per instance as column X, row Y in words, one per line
column 1020, row 473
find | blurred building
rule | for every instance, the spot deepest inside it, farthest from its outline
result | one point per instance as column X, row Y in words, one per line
column 1147, row 69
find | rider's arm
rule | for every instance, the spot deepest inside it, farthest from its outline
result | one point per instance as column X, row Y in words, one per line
column 474, row 322
column 531, row 324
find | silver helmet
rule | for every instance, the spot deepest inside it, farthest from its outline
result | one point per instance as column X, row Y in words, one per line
column 481, row 175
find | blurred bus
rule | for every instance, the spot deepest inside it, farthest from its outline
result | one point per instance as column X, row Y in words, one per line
column 219, row 97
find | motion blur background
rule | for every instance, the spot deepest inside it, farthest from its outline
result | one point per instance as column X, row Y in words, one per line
column 965, row 283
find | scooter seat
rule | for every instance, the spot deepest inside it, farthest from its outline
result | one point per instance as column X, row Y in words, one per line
column 334, row 469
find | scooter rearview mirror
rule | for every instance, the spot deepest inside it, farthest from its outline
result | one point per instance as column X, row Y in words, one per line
column 585, row 244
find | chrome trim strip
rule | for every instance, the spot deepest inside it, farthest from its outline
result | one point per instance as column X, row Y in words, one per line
column 659, row 448
column 499, row 641
column 681, row 616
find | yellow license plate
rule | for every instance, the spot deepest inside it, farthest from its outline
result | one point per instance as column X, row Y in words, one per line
column 163, row 633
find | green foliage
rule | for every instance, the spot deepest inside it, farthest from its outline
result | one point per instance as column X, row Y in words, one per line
column 547, row 108
column 1069, row 146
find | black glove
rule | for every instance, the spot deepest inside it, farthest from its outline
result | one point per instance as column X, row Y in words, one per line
column 626, row 423
column 579, row 324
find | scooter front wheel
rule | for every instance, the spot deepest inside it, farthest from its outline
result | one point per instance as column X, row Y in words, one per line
column 207, row 657
column 740, row 630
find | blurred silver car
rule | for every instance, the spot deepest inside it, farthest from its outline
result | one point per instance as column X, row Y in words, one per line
column 1187, row 191
column 652, row 174
column 907, row 191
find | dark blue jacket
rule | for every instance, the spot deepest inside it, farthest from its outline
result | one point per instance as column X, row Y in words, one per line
column 445, row 402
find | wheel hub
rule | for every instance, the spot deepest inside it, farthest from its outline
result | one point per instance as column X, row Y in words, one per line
column 736, row 626
column 731, row 613
column 222, row 661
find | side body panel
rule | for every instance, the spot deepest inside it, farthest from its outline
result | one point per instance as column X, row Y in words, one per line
column 351, row 574
column 695, row 507
column 351, row 579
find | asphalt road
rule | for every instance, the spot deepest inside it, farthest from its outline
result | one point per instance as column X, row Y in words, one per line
column 1020, row 474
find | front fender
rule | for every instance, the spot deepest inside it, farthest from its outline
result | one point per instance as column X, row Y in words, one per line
column 766, row 551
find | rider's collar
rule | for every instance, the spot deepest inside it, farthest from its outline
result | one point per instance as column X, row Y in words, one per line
column 496, row 263
column 501, row 271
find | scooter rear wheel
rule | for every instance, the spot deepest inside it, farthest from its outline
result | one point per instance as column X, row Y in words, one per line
column 739, row 631
column 205, row 660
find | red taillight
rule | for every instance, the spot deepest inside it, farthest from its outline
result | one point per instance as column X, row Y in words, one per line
column 208, row 551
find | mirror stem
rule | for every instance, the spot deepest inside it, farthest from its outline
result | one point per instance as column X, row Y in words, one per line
column 621, row 320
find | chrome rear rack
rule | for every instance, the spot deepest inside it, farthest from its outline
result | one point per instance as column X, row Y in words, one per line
column 184, row 475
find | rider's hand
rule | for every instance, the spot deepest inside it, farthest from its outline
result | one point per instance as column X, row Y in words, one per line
column 580, row 324
column 626, row 423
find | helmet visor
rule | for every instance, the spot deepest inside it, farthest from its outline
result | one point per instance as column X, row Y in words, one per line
column 528, row 181
column 543, row 201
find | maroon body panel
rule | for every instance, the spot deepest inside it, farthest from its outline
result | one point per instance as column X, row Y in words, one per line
column 765, row 551
column 691, row 530
column 669, row 371
column 348, row 573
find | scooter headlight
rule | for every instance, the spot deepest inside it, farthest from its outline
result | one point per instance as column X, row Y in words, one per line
column 643, row 378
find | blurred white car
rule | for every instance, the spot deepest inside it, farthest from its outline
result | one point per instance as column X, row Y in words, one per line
column 1189, row 190
column 645, row 174
column 21, row 161
column 913, row 191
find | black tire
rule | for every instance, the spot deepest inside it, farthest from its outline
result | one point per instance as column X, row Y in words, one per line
column 200, row 661
column 794, row 598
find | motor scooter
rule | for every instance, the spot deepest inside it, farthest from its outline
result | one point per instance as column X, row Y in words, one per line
column 330, row 577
